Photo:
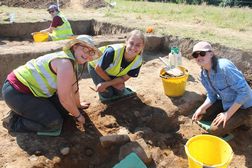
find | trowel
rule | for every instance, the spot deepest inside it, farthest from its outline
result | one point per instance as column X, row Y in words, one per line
column 171, row 72
column 167, row 66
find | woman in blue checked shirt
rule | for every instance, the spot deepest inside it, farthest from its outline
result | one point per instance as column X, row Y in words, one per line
column 229, row 97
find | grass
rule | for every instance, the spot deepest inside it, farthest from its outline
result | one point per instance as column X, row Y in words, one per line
column 216, row 16
column 229, row 26
column 219, row 25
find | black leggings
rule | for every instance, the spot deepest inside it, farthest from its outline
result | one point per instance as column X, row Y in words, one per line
column 33, row 113
column 238, row 118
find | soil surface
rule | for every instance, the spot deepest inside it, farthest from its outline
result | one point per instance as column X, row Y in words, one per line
column 162, row 122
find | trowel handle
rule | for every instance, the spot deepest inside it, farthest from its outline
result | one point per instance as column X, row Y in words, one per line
column 168, row 66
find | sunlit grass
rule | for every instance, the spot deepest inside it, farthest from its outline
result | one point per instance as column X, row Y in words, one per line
column 196, row 21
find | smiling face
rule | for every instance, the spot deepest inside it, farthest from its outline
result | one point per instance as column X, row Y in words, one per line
column 134, row 46
column 204, row 59
column 83, row 54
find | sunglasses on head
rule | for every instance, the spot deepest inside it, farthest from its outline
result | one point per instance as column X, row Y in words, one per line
column 201, row 53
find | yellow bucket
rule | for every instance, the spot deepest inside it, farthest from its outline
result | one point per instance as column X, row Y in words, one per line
column 175, row 86
column 208, row 151
column 40, row 36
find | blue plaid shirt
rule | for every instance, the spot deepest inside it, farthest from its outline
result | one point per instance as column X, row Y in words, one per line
column 228, row 84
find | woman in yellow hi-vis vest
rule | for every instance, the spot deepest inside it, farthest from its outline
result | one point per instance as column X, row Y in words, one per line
column 118, row 63
column 44, row 90
column 60, row 28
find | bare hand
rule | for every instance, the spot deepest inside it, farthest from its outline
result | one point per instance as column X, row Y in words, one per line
column 222, row 117
column 81, row 119
column 198, row 114
column 84, row 105
column 80, row 123
column 101, row 87
column 119, row 86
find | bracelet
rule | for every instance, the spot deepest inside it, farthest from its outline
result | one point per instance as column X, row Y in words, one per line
column 78, row 116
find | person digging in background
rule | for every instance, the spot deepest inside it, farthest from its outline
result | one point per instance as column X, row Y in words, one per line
column 118, row 63
column 60, row 27
column 229, row 97
column 44, row 90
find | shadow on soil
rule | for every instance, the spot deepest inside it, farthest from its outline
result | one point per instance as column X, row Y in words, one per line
column 241, row 144
column 85, row 148
column 157, row 128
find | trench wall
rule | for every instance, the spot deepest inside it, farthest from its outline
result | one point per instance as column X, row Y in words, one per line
column 22, row 31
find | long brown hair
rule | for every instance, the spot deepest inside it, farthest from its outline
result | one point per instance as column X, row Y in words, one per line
column 214, row 63
column 78, row 77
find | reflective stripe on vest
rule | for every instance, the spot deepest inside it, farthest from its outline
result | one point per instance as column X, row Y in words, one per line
column 37, row 75
column 62, row 32
column 114, row 68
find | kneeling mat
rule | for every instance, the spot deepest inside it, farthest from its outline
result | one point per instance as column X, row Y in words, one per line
column 50, row 133
column 206, row 126
column 131, row 161
column 127, row 92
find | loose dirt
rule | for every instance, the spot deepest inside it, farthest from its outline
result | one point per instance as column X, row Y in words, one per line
column 163, row 122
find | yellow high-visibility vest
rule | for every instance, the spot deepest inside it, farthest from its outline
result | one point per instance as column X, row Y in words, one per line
column 37, row 75
column 62, row 32
column 114, row 68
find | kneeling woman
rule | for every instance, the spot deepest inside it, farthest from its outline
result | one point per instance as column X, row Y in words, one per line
column 43, row 90
column 117, row 64
column 229, row 97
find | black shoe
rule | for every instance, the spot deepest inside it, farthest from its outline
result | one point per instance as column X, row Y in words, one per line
column 9, row 121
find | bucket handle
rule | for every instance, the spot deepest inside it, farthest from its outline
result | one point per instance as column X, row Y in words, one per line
column 208, row 166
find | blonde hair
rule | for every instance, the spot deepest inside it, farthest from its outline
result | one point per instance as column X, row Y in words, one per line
column 138, row 34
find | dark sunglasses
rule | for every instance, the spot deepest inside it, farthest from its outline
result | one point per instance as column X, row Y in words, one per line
column 50, row 11
column 201, row 53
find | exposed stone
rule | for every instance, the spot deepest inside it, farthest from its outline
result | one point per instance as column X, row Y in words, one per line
column 123, row 131
column 65, row 150
column 140, row 149
column 33, row 158
column 38, row 153
column 109, row 140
